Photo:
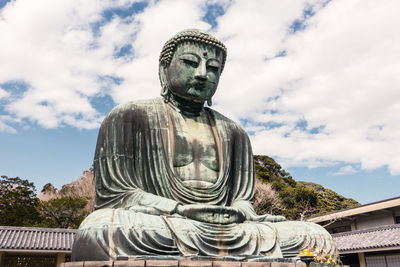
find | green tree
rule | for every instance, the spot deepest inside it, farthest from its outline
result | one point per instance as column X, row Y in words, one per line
column 18, row 202
column 63, row 212
column 67, row 207
column 328, row 200
column 296, row 200
column 268, row 170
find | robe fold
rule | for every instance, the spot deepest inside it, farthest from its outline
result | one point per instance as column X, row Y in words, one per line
column 137, row 192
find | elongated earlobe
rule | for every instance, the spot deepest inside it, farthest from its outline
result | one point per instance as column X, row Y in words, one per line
column 164, row 84
column 209, row 102
column 164, row 90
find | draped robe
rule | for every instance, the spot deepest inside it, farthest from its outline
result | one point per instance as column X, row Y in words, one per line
column 137, row 193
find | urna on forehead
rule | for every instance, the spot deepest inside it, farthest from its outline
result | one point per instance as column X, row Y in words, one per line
column 191, row 35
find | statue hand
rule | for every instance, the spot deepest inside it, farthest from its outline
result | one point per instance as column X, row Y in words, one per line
column 146, row 210
column 274, row 218
column 211, row 213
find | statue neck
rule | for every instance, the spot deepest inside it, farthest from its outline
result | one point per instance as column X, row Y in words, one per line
column 186, row 107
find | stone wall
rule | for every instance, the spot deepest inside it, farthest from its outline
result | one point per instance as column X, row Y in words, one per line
column 175, row 263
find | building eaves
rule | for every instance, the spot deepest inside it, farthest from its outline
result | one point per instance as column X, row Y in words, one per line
column 36, row 239
column 370, row 207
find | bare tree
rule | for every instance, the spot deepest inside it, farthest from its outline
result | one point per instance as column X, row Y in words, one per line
column 266, row 199
column 307, row 209
column 82, row 187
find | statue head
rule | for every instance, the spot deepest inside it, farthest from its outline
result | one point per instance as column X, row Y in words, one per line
column 190, row 65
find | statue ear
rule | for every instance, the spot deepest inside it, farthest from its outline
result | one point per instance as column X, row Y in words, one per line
column 162, row 72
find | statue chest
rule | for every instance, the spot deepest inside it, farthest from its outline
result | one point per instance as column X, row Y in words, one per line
column 195, row 155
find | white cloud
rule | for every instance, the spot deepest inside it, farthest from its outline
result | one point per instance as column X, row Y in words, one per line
column 340, row 75
column 52, row 48
column 156, row 25
column 333, row 98
column 47, row 48
column 4, row 127
column 4, row 93
column 348, row 169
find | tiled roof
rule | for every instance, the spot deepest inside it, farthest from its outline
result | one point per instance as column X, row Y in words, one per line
column 369, row 239
column 31, row 238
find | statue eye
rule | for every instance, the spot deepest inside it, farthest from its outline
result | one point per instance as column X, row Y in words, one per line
column 213, row 68
column 213, row 65
column 190, row 60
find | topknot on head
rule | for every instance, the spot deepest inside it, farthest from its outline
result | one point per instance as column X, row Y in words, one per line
column 190, row 35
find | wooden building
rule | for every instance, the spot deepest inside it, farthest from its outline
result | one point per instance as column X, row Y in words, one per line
column 35, row 247
column 368, row 235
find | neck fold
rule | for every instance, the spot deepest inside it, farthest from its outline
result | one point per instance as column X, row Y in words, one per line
column 186, row 107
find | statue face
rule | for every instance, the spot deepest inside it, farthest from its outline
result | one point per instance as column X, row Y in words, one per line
column 194, row 71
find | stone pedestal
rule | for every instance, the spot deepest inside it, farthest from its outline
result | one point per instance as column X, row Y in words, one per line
column 176, row 263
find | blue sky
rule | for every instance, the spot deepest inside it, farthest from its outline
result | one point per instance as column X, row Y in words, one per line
column 314, row 83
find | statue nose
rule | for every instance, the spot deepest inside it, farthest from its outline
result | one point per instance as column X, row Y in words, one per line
column 201, row 72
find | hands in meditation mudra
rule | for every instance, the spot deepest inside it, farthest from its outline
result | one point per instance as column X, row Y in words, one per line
column 175, row 179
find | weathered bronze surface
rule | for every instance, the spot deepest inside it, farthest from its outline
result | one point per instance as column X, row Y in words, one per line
column 175, row 180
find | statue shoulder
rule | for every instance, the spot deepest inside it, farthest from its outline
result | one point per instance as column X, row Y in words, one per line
column 128, row 110
column 229, row 123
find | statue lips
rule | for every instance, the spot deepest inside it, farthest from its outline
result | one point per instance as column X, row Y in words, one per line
column 199, row 85
column 200, row 89
column 195, row 91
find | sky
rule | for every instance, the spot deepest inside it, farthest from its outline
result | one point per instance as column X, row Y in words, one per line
column 315, row 83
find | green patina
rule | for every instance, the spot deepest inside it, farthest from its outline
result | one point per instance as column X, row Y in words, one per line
column 175, row 179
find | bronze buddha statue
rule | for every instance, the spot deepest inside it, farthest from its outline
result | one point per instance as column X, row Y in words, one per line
column 175, row 179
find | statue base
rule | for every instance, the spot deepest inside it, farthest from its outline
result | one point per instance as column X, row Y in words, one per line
column 180, row 263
